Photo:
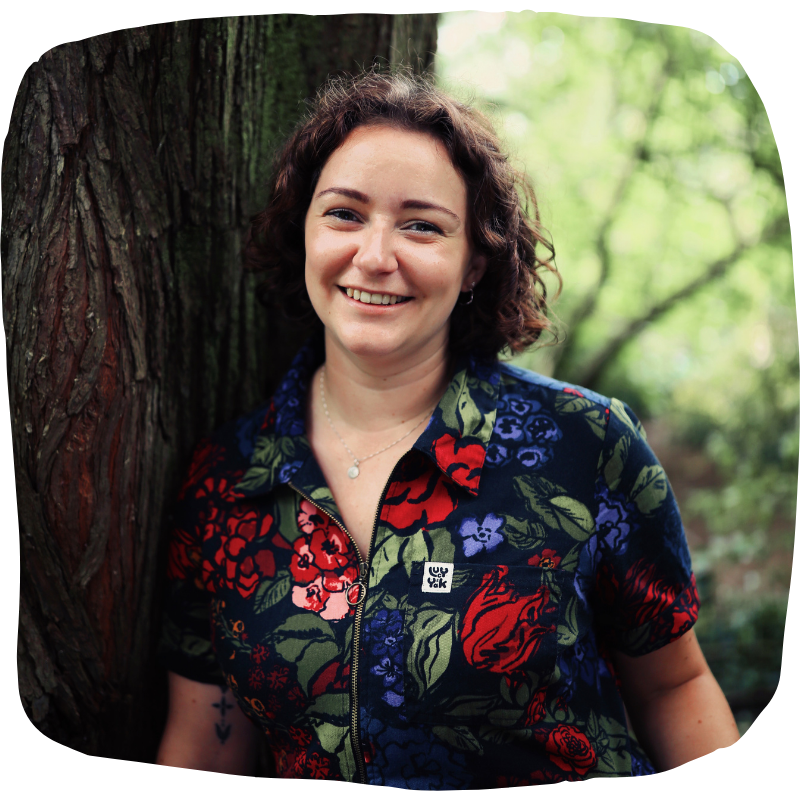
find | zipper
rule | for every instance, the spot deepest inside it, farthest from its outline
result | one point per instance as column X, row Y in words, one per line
column 363, row 571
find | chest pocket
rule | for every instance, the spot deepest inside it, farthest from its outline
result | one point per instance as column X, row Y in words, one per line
column 481, row 642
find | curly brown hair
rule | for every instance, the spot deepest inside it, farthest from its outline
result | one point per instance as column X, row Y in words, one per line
column 510, row 305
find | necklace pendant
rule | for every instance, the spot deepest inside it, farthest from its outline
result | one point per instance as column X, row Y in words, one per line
column 352, row 472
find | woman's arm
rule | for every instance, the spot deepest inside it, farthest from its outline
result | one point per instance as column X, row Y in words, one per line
column 676, row 706
column 207, row 730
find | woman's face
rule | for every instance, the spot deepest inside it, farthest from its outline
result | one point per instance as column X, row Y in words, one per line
column 388, row 219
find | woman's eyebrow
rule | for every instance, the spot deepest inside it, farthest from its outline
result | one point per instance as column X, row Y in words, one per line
column 353, row 194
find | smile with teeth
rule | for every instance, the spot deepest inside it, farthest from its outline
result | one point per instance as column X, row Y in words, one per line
column 375, row 298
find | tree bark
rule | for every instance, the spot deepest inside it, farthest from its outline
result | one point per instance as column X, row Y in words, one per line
column 133, row 164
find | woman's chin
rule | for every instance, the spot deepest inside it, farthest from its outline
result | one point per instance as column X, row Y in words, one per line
column 372, row 346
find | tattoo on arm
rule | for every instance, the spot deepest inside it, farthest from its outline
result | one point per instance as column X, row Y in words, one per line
column 223, row 729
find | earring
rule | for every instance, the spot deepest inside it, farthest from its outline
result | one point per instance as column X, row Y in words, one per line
column 471, row 295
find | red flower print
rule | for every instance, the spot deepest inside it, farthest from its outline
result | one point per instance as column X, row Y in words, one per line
column 276, row 679
column 302, row 736
column 205, row 457
column 259, row 653
column 644, row 595
column 323, row 565
column 536, row 711
column 184, row 556
column 330, row 548
column 302, row 567
column 296, row 696
column 312, row 596
column 221, row 489
column 570, row 750
column 242, row 559
column 318, row 766
column 333, row 678
column 502, row 629
column 547, row 559
column 256, row 678
column 420, row 502
column 462, row 460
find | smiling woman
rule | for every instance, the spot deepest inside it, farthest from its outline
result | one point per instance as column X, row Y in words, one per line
column 453, row 614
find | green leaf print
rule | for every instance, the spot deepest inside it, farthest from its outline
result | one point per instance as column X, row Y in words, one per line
column 308, row 642
column 269, row 455
column 568, row 630
column 558, row 511
column 332, row 707
column 474, row 706
column 595, row 416
column 459, row 737
column 613, row 469
column 331, row 736
column 522, row 534
column 431, row 634
column 272, row 592
column 618, row 410
column 650, row 489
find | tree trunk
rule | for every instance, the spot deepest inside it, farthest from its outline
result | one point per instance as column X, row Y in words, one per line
column 133, row 164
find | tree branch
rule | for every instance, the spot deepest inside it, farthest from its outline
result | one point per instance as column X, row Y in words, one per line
column 591, row 374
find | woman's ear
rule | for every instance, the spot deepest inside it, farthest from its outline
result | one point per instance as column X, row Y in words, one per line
column 477, row 268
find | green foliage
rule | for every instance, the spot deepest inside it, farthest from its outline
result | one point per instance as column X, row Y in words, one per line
column 660, row 183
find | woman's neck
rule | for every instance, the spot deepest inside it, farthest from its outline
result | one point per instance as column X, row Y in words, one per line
column 371, row 396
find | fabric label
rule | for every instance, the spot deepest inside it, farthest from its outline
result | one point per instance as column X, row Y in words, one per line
column 437, row 576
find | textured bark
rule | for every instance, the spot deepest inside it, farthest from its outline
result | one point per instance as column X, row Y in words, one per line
column 133, row 163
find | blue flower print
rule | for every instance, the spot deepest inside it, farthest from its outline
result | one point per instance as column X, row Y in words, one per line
column 389, row 671
column 385, row 641
column 541, row 428
column 385, row 635
column 613, row 521
column 496, row 455
column 534, row 456
column 412, row 759
column 247, row 430
column 510, row 428
column 483, row 535
column 517, row 405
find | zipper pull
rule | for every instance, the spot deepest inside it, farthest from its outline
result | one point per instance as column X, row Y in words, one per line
column 362, row 570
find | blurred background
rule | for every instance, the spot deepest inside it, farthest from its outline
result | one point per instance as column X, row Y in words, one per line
column 660, row 183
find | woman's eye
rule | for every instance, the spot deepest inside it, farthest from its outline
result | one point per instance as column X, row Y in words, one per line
column 343, row 214
column 423, row 227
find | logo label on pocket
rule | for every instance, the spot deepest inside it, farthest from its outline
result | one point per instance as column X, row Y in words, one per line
column 437, row 576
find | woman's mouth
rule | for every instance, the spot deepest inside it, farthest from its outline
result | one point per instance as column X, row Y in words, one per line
column 374, row 298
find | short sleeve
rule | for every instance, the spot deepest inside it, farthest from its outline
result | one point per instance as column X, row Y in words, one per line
column 645, row 594
column 185, row 646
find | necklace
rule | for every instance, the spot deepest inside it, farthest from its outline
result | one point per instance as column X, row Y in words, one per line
column 353, row 471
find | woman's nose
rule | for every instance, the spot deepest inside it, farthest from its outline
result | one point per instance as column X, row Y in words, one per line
column 376, row 251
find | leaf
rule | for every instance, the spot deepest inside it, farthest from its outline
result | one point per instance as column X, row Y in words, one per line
column 570, row 561
column 270, row 593
column 431, row 635
column 500, row 736
column 385, row 557
column 574, row 518
column 307, row 641
column 475, row 706
column 572, row 404
column 459, row 737
column 333, row 705
column 613, row 469
column 557, row 510
column 650, row 489
column 331, row 736
column 618, row 410
column 568, row 630
column 505, row 717
column 522, row 534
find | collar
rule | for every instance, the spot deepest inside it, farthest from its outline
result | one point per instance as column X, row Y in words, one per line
column 455, row 439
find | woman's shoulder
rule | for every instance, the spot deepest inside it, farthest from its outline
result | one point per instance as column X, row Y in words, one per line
column 518, row 380
column 227, row 451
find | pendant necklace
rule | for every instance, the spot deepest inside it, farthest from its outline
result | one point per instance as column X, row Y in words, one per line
column 353, row 471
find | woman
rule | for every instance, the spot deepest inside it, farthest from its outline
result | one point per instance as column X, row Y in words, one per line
column 426, row 568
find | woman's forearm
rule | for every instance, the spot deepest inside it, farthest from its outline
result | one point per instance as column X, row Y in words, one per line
column 684, row 722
